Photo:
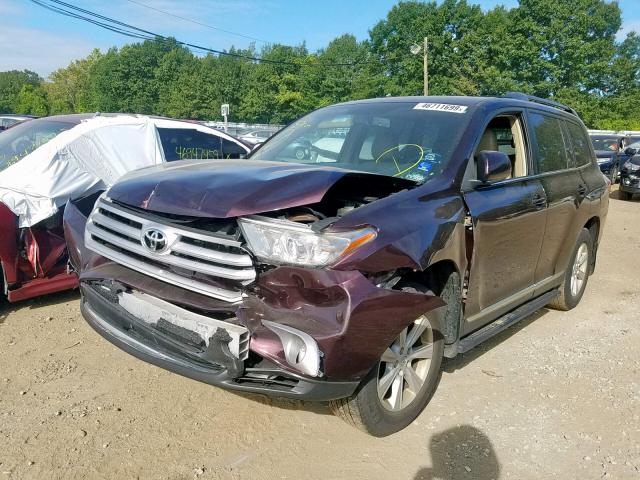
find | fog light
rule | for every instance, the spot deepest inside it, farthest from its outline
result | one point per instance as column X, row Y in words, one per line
column 300, row 349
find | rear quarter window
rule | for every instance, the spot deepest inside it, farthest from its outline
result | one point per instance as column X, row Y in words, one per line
column 189, row 144
column 550, row 149
column 580, row 144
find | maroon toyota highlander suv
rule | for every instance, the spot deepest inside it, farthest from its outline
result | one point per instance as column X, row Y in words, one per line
column 415, row 229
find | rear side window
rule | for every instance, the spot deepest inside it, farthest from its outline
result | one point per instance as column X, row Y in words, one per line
column 551, row 152
column 580, row 144
column 231, row 149
column 188, row 144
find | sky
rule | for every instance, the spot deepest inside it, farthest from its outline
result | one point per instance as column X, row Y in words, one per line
column 37, row 39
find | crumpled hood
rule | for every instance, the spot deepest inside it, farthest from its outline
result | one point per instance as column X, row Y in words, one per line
column 226, row 188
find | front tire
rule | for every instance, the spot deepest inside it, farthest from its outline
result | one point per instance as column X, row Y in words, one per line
column 577, row 274
column 614, row 175
column 401, row 385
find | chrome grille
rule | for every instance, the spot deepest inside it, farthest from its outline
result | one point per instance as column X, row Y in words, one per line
column 178, row 255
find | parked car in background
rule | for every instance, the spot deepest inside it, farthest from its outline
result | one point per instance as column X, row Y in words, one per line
column 629, row 137
column 348, row 279
column 255, row 137
column 609, row 147
column 8, row 120
column 48, row 161
column 630, row 173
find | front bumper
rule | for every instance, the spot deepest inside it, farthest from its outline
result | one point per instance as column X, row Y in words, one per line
column 607, row 166
column 213, row 365
column 630, row 183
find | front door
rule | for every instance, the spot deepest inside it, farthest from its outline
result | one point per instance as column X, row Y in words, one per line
column 508, row 223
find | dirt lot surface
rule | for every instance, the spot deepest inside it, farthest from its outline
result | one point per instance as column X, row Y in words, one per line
column 557, row 396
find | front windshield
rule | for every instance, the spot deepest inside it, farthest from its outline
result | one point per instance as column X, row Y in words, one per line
column 605, row 143
column 20, row 140
column 408, row 140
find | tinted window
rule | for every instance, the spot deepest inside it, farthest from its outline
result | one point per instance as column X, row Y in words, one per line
column 605, row 143
column 551, row 153
column 187, row 144
column 20, row 140
column 580, row 144
column 399, row 139
column 231, row 149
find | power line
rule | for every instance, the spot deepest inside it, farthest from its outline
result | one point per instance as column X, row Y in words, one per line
column 197, row 22
column 129, row 30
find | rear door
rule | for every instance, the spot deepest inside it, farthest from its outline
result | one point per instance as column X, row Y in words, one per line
column 565, row 189
column 508, row 220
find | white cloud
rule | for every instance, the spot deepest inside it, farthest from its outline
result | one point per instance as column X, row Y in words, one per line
column 42, row 52
column 8, row 8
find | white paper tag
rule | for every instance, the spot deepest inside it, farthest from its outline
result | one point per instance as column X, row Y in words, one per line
column 441, row 107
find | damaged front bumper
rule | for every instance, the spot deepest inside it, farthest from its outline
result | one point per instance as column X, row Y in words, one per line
column 213, row 365
column 349, row 319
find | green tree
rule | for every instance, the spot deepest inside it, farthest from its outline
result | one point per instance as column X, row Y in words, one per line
column 70, row 87
column 125, row 79
column 11, row 84
column 32, row 100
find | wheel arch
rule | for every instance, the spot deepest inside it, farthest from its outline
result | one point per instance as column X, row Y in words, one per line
column 593, row 225
column 444, row 278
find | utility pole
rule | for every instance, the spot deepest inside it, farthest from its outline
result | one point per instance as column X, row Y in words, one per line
column 425, row 51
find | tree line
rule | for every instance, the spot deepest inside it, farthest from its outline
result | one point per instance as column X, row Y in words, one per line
column 564, row 50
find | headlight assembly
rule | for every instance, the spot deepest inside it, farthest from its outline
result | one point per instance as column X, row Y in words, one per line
column 285, row 242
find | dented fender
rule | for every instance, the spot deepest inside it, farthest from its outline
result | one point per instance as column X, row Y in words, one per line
column 352, row 320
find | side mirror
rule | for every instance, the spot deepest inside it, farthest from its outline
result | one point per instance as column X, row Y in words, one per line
column 630, row 151
column 493, row 166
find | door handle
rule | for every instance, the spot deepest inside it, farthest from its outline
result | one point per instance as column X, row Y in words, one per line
column 539, row 201
column 582, row 190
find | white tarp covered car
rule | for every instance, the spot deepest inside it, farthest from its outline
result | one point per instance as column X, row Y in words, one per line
column 92, row 155
column 48, row 161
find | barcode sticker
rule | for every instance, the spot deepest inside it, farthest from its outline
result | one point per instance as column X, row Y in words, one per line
column 441, row 107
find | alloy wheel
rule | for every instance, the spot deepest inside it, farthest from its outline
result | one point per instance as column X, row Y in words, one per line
column 579, row 271
column 404, row 366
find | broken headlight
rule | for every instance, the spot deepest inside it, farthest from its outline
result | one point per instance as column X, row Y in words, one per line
column 285, row 242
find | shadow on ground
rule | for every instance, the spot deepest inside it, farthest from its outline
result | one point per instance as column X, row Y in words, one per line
column 461, row 452
column 39, row 302
column 450, row 365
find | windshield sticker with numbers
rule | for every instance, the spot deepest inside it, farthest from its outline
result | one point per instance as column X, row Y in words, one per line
column 441, row 107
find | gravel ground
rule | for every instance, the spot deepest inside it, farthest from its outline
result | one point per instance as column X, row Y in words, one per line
column 556, row 396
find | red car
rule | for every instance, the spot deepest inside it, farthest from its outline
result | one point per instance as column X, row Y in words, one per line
column 39, row 175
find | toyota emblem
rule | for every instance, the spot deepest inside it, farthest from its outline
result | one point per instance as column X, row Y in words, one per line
column 154, row 240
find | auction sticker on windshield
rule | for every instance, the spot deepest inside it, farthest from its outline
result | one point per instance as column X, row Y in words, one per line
column 441, row 107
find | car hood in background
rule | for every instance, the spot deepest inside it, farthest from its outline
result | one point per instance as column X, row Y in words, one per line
column 224, row 188
column 605, row 153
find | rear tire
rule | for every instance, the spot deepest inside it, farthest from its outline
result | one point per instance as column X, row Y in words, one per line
column 401, row 384
column 577, row 274
column 624, row 195
column 3, row 288
column 300, row 153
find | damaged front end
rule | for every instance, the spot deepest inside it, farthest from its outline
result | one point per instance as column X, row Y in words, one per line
column 190, row 294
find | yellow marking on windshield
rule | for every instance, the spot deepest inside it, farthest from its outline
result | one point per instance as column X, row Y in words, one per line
column 398, row 147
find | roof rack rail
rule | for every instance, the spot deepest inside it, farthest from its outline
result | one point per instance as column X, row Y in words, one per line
column 543, row 101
